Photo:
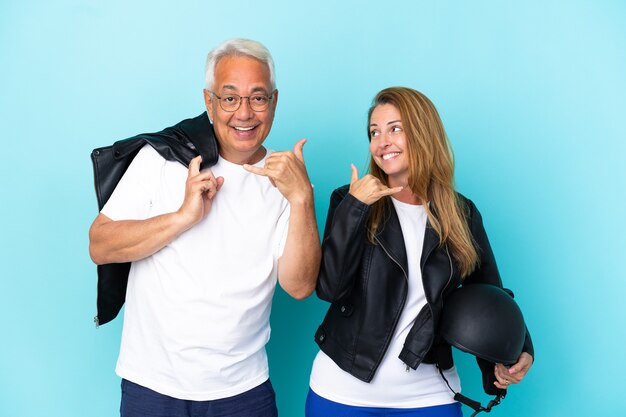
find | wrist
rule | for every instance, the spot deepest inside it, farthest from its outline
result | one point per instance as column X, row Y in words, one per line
column 181, row 221
column 303, row 198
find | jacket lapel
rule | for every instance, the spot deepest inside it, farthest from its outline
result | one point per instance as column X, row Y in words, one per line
column 431, row 240
column 390, row 236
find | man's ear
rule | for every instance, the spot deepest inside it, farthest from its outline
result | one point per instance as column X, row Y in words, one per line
column 275, row 99
column 208, row 102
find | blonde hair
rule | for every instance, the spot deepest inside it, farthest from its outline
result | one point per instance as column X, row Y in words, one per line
column 431, row 174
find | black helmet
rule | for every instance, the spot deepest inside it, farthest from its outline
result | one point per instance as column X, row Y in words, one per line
column 485, row 321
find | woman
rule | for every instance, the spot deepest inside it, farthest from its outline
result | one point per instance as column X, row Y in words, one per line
column 397, row 242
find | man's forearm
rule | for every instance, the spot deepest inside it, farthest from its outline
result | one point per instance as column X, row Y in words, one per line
column 299, row 265
column 130, row 240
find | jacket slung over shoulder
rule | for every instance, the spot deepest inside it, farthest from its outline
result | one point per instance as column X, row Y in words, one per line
column 367, row 284
column 181, row 142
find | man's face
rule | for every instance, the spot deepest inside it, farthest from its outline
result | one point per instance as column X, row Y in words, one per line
column 241, row 133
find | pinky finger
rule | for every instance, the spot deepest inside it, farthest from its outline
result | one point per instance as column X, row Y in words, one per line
column 390, row 191
column 501, row 386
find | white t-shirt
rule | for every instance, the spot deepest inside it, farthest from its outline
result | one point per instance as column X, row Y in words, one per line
column 392, row 386
column 197, row 312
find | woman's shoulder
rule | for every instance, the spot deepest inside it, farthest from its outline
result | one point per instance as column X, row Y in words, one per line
column 466, row 203
column 342, row 191
column 341, row 195
column 463, row 199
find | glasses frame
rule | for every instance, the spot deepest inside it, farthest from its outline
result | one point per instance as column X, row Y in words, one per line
column 219, row 99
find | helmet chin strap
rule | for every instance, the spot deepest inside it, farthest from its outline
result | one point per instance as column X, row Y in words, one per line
column 475, row 405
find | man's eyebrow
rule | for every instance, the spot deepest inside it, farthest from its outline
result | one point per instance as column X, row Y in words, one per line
column 258, row 89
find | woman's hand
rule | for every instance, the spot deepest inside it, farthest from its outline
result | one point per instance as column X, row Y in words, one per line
column 513, row 375
column 369, row 189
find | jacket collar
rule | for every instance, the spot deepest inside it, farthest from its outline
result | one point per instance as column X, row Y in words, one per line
column 390, row 235
column 199, row 131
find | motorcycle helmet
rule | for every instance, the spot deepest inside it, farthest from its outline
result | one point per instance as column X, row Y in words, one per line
column 485, row 321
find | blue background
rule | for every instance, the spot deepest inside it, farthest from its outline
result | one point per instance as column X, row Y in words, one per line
column 532, row 96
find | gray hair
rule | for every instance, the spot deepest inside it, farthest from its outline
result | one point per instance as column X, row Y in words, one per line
column 238, row 47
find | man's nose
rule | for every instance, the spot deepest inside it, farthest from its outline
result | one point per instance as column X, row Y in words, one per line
column 244, row 111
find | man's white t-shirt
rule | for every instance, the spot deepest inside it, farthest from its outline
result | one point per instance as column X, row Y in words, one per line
column 197, row 311
column 393, row 386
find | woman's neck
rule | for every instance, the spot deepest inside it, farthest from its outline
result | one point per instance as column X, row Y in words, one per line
column 406, row 195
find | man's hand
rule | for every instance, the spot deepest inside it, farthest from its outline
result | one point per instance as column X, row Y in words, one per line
column 369, row 189
column 287, row 172
column 130, row 240
column 200, row 189
column 299, row 264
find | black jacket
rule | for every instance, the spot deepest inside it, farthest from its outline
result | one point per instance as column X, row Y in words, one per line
column 367, row 285
column 181, row 142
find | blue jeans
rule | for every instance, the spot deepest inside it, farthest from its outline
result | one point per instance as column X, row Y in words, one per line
column 317, row 406
column 138, row 401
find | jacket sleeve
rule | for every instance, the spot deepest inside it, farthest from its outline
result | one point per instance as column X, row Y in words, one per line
column 344, row 242
column 487, row 271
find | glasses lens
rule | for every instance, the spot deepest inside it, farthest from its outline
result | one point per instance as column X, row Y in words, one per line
column 259, row 102
column 230, row 102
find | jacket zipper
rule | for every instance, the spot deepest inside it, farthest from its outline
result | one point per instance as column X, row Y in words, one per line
column 406, row 277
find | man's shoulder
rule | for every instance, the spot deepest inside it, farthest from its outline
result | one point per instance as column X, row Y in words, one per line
column 146, row 161
column 148, row 154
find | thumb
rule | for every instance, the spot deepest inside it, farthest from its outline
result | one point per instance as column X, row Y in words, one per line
column 297, row 149
column 355, row 174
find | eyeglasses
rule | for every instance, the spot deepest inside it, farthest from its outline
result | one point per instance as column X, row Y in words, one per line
column 232, row 102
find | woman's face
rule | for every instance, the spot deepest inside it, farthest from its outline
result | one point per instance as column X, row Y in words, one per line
column 388, row 144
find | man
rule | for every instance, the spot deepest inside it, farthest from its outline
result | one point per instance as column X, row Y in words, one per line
column 207, row 247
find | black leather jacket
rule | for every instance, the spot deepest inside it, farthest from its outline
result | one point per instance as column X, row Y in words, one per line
column 181, row 142
column 367, row 285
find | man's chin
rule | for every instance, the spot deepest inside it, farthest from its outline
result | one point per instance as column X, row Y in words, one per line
column 249, row 152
